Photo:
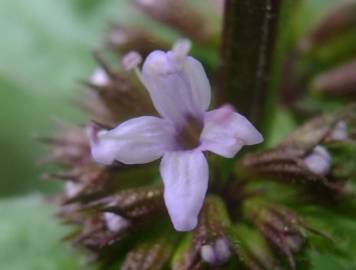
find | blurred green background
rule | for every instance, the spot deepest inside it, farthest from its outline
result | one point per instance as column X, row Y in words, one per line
column 45, row 50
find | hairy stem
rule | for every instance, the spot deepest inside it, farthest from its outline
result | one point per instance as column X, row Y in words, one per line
column 251, row 57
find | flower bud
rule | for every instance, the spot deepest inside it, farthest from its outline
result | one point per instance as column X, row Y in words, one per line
column 304, row 154
column 339, row 81
column 282, row 163
column 283, row 228
column 72, row 189
column 95, row 235
column 137, row 204
column 151, row 256
column 252, row 248
column 334, row 23
column 114, row 96
column 70, row 147
column 100, row 78
column 210, row 233
column 339, row 132
column 216, row 253
column 115, row 223
column 125, row 39
column 187, row 256
column 318, row 161
column 180, row 15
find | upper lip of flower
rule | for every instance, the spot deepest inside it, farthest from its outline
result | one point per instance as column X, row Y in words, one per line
column 180, row 92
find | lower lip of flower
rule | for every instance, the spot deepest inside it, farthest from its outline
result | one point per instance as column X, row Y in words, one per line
column 188, row 137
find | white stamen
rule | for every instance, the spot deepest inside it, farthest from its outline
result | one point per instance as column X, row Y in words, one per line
column 339, row 132
column 100, row 77
column 115, row 223
column 318, row 161
column 131, row 60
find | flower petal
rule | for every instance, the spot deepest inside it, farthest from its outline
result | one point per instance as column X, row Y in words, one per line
column 185, row 175
column 199, row 82
column 225, row 132
column 136, row 141
column 177, row 84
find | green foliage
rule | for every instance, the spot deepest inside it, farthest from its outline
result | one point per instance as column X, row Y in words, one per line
column 337, row 251
column 45, row 50
column 31, row 239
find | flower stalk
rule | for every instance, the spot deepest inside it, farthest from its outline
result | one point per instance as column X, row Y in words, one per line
column 251, row 54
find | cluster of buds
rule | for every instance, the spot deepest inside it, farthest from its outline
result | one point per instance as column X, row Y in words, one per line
column 306, row 156
column 83, row 177
column 253, row 249
column 339, row 81
column 209, row 245
column 333, row 24
column 328, row 43
column 148, row 256
column 105, row 223
column 181, row 16
column 125, row 39
column 321, row 66
column 114, row 95
column 280, row 226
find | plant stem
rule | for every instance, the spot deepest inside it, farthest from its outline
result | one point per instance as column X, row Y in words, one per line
column 251, row 57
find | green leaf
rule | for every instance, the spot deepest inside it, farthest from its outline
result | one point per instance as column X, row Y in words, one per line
column 45, row 50
column 30, row 237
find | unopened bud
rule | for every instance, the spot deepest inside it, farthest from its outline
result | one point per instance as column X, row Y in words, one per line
column 115, row 223
column 125, row 39
column 135, row 204
column 100, row 78
column 210, row 234
column 114, row 96
column 72, row 189
column 339, row 81
column 70, row 147
column 180, row 15
column 147, row 256
column 318, row 161
column 282, row 227
column 340, row 132
column 252, row 248
column 216, row 253
column 334, row 23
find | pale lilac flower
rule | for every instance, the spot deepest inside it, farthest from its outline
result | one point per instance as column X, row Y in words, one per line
column 180, row 92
